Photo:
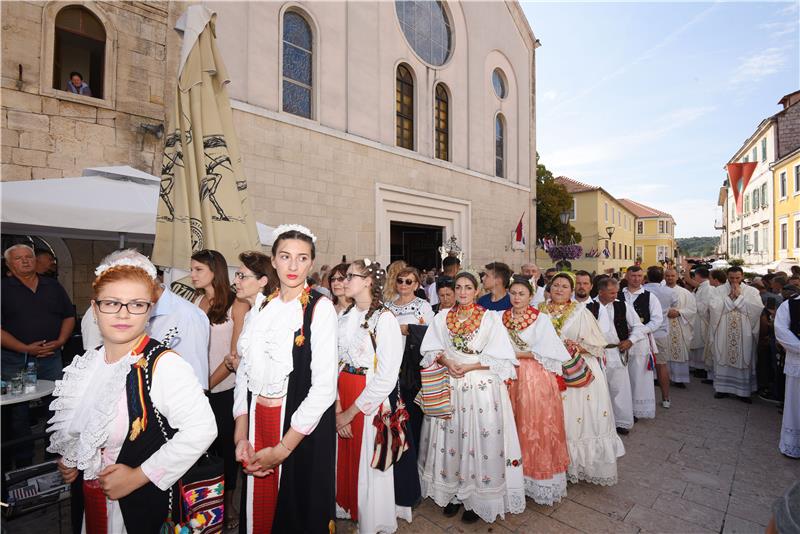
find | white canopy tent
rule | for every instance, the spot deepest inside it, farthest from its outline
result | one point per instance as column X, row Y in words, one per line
column 106, row 203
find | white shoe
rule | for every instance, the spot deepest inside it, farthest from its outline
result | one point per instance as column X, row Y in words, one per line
column 665, row 404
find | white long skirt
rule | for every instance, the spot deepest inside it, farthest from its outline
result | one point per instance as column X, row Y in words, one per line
column 790, row 426
column 619, row 389
column 377, row 511
column 592, row 439
column 642, row 389
column 474, row 457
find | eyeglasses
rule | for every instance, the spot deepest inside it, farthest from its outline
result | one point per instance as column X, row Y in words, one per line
column 350, row 276
column 241, row 276
column 407, row 281
column 134, row 307
column 337, row 279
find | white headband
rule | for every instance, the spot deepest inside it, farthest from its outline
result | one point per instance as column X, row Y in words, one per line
column 145, row 265
column 282, row 229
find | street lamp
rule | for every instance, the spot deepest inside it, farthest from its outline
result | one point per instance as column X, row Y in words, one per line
column 564, row 216
column 610, row 231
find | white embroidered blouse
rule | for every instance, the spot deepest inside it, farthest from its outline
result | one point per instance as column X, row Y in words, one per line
column 382, row 365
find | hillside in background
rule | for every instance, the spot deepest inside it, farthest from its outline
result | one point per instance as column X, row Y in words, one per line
column 697, row 246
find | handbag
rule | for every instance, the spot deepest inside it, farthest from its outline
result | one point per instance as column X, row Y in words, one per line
column 201, row 488
column 576, row 372
column 390, row 437
column 434, row 396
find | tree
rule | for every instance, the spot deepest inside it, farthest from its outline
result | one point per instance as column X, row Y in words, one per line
column 552, row 199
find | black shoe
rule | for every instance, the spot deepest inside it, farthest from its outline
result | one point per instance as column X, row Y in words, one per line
column 679, row 385
column 655, row 382
column 635, row 419
column 719, row 395
column 706, row 381
column 622, row 431
column 746, row 400
column 469, row 517
column 452, row 509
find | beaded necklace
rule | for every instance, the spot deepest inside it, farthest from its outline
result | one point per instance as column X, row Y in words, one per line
column 515, row 325
column 304, row 297
column 559, row 313
column 461, row 332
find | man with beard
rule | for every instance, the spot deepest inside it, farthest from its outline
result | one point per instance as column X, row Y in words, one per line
column 583, row 286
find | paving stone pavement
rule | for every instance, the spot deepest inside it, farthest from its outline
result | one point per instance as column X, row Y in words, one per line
column 704, row 466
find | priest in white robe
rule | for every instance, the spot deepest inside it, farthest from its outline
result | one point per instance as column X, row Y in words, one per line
column 702, row 297
column 680, row 326
column 787, row 333
column 735, row 315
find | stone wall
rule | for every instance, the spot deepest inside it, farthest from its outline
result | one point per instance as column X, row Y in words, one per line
column 328, row 183
column 48, row 133
column 788, row 131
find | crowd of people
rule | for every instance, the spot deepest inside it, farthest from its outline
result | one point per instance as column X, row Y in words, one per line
column 356, row 391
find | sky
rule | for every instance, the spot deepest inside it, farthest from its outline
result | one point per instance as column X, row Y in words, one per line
column 651, row 99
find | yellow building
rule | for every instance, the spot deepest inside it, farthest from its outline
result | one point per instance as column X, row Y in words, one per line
column 786, row 203
column 655, row 234
column 605, row 225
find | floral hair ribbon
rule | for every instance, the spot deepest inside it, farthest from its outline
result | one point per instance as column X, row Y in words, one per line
column 282, row 229
column 144, row 265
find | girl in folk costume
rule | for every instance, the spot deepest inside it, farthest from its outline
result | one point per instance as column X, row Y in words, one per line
column 209, row 272
column 110, row 405
column 536, row 398
column 370, row 350
column 592, row 440
column 283, row 400
column 473, row 458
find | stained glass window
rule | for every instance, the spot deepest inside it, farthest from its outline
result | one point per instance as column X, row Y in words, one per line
column 499, row 146
column 426, row 28
column 297, row 65
column 442, row 123
column 404, row 105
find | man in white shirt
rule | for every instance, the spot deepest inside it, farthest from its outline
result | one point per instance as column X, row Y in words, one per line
column 680, row 321
column 621, row 331
column 667, row 299
column 787, row 333
column 641, row 359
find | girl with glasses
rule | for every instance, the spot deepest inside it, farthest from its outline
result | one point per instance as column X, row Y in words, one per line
column 209, row 273
column 285, row 431
column 473, row 458
column 108, row 404
column 370, row 349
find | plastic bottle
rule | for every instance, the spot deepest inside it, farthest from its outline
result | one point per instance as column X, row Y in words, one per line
column 29, row 380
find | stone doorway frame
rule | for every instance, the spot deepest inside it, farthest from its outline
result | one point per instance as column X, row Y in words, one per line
column 401, row 204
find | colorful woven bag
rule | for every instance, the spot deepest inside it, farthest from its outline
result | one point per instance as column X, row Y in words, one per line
column 576, row 372
column 434, row 397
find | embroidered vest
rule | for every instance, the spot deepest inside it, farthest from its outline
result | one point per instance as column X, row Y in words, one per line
column 794, row 316
column 641, row 305
column 145, row 509
column 620, row 319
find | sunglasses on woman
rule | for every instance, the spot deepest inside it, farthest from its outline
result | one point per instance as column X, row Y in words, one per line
column 337, row 279
column 405, row 281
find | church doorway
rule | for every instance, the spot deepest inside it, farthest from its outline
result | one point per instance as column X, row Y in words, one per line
column 417, row 244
